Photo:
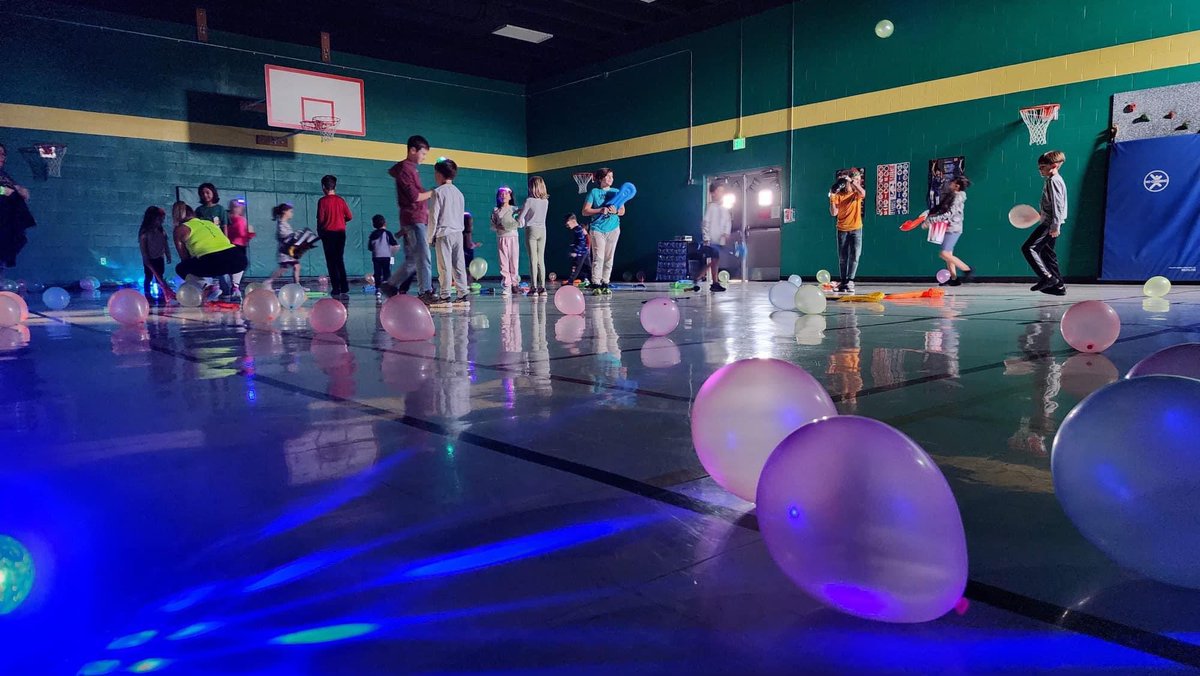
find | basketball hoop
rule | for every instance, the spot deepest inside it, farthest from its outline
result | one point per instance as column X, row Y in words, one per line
column 52, row 154
column 581, row 180
column 325, row 125
column 1038, row 119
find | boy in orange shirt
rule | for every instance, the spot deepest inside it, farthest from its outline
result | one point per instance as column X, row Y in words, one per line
column 846, row 205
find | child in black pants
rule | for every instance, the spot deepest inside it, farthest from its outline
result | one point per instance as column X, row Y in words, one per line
column 383, row 246
column 581, row 253
column 1039, row 248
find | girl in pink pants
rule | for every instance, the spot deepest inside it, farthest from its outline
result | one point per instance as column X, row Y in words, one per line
column 504, row 222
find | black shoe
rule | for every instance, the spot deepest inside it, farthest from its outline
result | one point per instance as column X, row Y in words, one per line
column 1059, row 290
column 1044, row 284
column 954, row 282
column 696, row 288
column 388, row 290
column 716, row 288
column 966, row 276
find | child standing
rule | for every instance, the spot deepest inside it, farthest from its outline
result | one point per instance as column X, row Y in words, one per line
column 581, row 254
column 605, row 229
column 240, row 233
column 210, row 209
column 332, row 215
column 283, row 234
column 468, row 242
column 505, row 224
column 846, row 205
column 950, row 210
column 533, row 219
column 152, row 241
column 1039, row 248
column 446, row 210
column 714, row 232
column 382, row 245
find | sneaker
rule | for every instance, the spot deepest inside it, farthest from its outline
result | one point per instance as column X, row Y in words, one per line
column 1044, row 284
column 236, row 296
column 597, row 290
column 444, row 301
column 386, row 290
column 1059, row 290
column 212, row 293
column 966, row 276
column 541, row 290
column 461, row 300
column 427, row 298
column 378, row 297
column 506, row 291
column 954, row 281
column 716, row 288
column 850, row 286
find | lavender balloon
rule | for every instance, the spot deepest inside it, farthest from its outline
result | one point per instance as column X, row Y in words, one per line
column 942, row 276
column 859, row 517
column 1124, row 463
column 744, row 410
column 1177, row 360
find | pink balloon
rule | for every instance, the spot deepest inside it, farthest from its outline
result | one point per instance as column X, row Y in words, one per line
column 860, row 518
column 943, row 276
column 10, row 312
column 14, row 337
column 659, row 316
column 327, row 316
column 406, row 318
column 744, row 410
column 569, row 300
column 20, row 301
column 1090, row 326
column 128, row 307
column 261, row 306
column 1177, row 360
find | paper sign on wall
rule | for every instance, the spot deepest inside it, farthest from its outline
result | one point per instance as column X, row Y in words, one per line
column 891, row 189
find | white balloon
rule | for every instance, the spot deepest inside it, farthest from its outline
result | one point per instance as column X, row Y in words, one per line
column 783, row 295
column 810, row 300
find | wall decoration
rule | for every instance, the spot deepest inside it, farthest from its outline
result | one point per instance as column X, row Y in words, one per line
column 1157, row 112
column 891, row 189
column 941, row 172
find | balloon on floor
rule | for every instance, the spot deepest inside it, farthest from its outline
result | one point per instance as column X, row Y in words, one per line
column 10, row 312
column 56, row 298
column 782, row 295
column 128, row 306
column 860, row 518
column 261, row 307
column 744, row 410
column 19, row 301
column 406, row 318
column 809, row 300
column 327, row 315
column 659, row 316
column 1157, row 287
column 1124, row 464
column 292, row 296
column 823, row 277
column 190, row 295
column 1177, row 360
column 1090, row 326
column 568, row 299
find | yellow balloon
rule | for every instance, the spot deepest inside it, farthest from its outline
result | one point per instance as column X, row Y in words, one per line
column 1157, row 287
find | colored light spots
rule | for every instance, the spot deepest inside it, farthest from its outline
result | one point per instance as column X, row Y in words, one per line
column 329, row 634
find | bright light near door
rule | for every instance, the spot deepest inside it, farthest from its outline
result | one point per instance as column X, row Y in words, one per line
column 727, row 200
column 766, row 197
column 526, row 34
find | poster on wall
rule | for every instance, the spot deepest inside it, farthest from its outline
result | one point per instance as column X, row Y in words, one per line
column 941, row 172
column 891, row 189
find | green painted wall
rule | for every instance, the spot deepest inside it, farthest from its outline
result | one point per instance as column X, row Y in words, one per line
column 94, row 210
column 837, row 54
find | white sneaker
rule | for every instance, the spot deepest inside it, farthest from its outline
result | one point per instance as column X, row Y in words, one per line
column 506, row 291
column 850, row 286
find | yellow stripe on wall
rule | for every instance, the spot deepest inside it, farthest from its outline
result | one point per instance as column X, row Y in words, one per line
column 1096, row 64
column 1125, row 59
column 178, row 131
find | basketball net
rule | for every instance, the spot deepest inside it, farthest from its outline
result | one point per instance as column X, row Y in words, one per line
column 325, row 125
column 52, row 154
column 1038, row 119
column 581, row 181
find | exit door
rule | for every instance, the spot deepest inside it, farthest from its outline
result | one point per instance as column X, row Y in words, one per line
column 757, row 215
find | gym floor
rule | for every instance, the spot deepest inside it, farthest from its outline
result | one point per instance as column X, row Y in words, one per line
column 520, row 494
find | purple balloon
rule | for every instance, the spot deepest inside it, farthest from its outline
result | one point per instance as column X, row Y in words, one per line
column 1177, row 360
column 860, row 518
column 942, row 276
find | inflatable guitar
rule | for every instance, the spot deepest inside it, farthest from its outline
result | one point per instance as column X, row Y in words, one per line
column 617, row 199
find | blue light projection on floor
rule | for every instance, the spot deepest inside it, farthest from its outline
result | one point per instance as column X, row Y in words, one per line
column 327, row 634
column 16, row 574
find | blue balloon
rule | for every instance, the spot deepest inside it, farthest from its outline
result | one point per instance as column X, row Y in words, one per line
column 1125, row 463
column 56, row 298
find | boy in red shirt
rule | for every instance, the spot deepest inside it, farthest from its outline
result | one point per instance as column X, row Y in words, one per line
column 332, row 215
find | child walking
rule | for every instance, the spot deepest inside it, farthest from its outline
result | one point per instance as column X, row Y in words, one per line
column 533, row 219
column 949, row 210
column 240, row 232
column 1039, row 248
column 605, row 229
column 846, row 205
column 714, row 232
column 284, row 235
column 332, row 215
column 581, row 253
column 382, row 245
column 446, row 210
column 152, row 241
column 505, row 224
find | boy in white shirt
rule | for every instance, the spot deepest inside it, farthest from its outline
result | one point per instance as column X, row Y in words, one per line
column 446, row 209
column 715, row 232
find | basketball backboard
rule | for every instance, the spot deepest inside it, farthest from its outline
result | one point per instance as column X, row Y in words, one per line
column 294, row 95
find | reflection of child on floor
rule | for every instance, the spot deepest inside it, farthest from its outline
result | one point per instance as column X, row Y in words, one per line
column 845, row 365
